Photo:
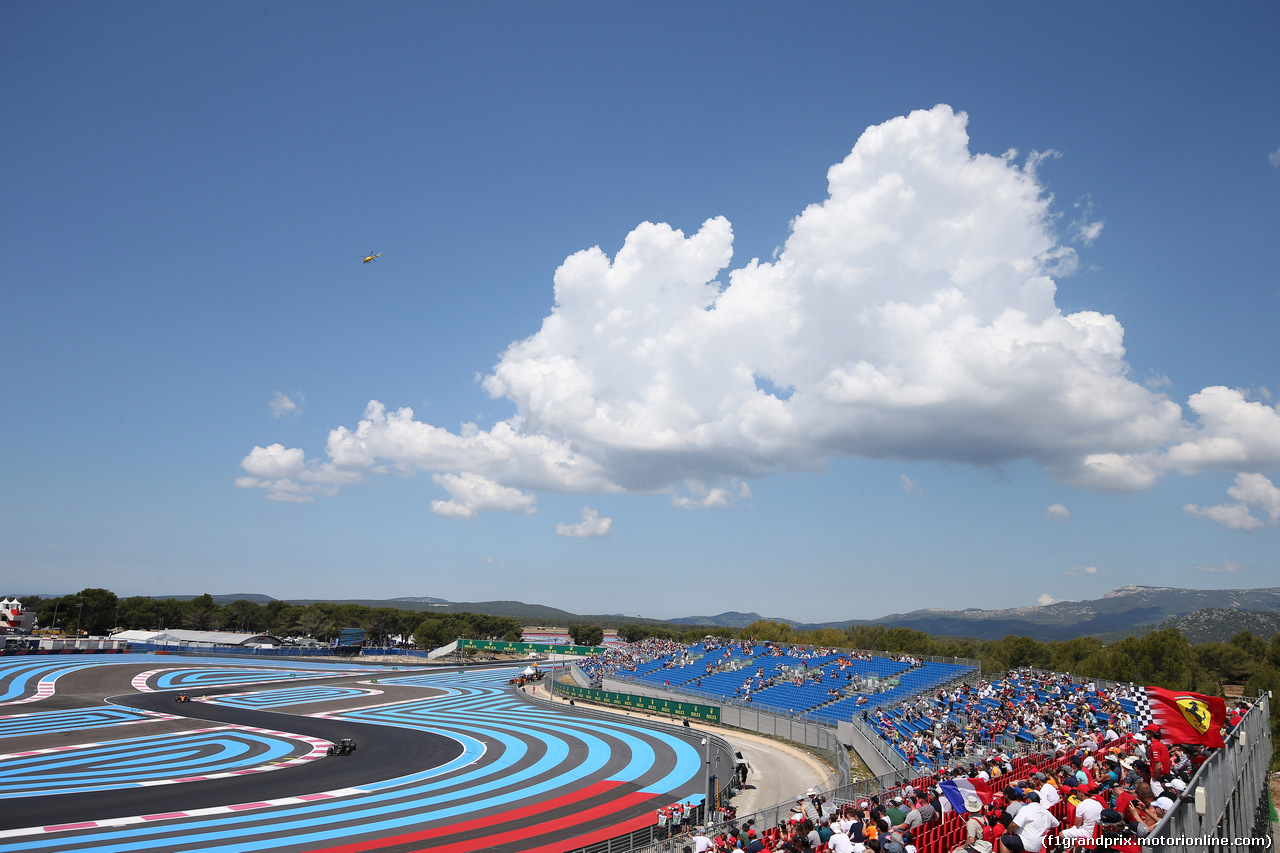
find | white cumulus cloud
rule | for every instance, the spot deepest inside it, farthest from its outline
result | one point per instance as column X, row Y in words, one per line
column 286, row 475
column 282, row 405
column 471, row 494
column 1077, row 571
column 1274, row 157
column 909, row 315
column 1235, row 433
column 591, row 525
column 1251, row 491
column 910, row 486
column 1058, row 512
column 1045, row 599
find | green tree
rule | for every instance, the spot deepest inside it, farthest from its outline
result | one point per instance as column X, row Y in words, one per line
column 1163, row 658
column 1254, row 647
column 96, row 609
column 138, row 612
column 1018, row 652
column 866, row 637
column 427, row 635
column 1225, row 663
column 244, row 616
column 435, row 631
column 767, row 631
column 1066, row 656
column 315, row 622
column 828, row 637
column 381, row 624
column 202, row 613
column 283, row 619
column 586, row 635
column 632, row 633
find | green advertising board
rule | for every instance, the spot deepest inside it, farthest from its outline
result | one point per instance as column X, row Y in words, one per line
column 525, row 648
column 649, row 704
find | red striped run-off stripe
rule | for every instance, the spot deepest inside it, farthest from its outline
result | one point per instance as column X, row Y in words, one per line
column 509, row 834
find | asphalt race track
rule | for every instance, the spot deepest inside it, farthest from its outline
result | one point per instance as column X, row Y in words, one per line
column 99, row 757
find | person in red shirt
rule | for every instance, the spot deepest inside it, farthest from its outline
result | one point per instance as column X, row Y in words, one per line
column 1157, row 752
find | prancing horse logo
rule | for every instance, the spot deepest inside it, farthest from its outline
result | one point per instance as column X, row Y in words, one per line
column 1193, row 709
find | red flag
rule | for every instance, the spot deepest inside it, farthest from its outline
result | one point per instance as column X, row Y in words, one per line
column 1185, row 717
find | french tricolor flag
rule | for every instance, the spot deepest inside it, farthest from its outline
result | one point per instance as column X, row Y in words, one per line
column 956, row 790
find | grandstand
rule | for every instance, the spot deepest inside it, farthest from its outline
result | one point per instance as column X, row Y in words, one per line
column 1024, row 723
column 826, row 686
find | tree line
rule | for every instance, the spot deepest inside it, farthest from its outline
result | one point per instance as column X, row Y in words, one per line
column 96, row 611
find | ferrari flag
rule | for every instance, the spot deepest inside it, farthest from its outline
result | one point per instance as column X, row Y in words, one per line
column 1184, row 717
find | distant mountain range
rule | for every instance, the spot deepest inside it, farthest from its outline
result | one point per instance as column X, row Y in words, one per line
column 1128, row 609
column 731, row 619
column 1122, row 612
column 1219, row 624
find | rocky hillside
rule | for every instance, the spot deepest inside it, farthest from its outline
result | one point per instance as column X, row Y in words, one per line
column 1219, row 624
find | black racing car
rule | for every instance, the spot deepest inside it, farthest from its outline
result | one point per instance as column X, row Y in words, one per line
column 346, row 746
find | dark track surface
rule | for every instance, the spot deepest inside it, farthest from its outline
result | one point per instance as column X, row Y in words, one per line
column 383, row 751
column 509, row 775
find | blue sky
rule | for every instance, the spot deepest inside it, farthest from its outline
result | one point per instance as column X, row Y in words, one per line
column 1019, row 345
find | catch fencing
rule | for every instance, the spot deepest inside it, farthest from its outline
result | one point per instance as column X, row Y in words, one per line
column 1226, row 804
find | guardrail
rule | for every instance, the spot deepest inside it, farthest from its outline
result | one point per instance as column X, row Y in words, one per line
column 1227, row 803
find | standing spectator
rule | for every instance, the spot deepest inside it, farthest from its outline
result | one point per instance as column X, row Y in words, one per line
column 1157, row 752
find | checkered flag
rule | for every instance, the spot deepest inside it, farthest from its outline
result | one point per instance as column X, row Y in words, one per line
column 1142, row 716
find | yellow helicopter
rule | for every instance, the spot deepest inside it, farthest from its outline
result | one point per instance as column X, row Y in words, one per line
column 371, row 257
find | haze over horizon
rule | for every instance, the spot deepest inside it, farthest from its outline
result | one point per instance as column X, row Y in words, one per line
column 849, row 309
